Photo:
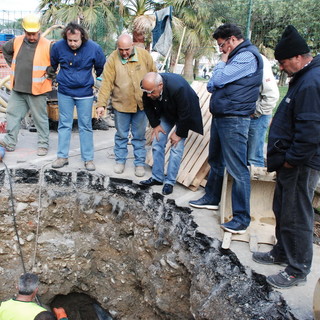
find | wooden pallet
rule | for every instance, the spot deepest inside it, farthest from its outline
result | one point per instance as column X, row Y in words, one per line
column 194, row 166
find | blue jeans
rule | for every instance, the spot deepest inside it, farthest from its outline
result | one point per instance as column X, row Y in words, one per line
column 84, row 111
column 137, row 123
column 228, row 148
column 257, row 134
column 292, row 206
column 158, row 152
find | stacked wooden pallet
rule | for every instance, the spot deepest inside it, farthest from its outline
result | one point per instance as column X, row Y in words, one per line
column 194, row 166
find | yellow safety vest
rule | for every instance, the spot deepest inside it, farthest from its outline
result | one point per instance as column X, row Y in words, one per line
column 41, row 60
column 19, row 310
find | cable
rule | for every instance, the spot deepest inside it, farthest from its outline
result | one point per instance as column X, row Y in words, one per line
column 16, row 227
column 14, row 217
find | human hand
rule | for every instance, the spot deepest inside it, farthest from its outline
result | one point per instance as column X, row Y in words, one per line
column 225, row 55
column 60, row 313
column 174, row 139
column 100, row 112
column 287, row 165
column 156, row 131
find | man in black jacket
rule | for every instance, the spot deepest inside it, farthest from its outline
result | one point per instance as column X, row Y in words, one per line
column 169, row 101
column 294, row 153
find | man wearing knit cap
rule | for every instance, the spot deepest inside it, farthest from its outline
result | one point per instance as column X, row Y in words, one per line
column 294, row 153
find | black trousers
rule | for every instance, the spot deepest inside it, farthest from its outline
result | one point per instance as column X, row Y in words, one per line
column 292, row 206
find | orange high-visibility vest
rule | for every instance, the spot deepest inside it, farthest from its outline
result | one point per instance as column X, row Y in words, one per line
column 41, row 60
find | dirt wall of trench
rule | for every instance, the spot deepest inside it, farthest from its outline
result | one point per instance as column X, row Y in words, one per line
column 135, row 252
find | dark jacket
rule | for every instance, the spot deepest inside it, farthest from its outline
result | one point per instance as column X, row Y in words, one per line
column 238, row 98
column 179, row 105
column 295, row 129
column 75, row 75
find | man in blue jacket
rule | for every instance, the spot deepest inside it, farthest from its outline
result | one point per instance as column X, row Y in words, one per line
column 235, row 86
column 169, row 101
column 76, row 55
column 294, row 153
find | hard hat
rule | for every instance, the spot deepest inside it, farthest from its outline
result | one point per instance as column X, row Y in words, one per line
column 31, row 23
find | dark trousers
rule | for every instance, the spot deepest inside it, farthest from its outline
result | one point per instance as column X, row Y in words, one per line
column 292, row 206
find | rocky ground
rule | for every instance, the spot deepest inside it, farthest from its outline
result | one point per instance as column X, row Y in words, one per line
column 133, row 252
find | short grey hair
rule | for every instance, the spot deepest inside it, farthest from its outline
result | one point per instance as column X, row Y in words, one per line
column 28, row 283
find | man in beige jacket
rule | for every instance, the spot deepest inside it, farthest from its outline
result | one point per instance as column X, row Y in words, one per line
column 122, row 74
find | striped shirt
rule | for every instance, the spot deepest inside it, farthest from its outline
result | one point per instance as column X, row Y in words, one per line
column 242, row 65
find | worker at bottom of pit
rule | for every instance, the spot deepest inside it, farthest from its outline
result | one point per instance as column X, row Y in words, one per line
column 23, row 305
column 169, row 101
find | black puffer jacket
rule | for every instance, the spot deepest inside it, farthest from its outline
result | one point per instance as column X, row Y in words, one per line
column 295, row 129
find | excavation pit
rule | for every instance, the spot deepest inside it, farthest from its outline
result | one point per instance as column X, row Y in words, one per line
column 134, row 252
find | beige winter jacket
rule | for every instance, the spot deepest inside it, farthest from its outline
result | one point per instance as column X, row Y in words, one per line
column 121, row 81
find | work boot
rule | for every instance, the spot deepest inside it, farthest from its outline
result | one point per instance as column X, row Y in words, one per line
column 267, row 258
column 89, row 165
column 59, row 163
column 283, row 280
column 7, row 147
column 42, row 151
column 119, row 168
column 139, row 171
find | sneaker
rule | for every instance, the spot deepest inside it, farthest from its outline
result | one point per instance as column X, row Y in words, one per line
column 267, row 258
column 59, row 163
column 7, row 147
column 118, row 168
column 42, row 151
column 151, row 182
column 167, row 189
column 234, row 227
column 283, row 280
column 203, row 203
column 89, row 165
column 139, row 171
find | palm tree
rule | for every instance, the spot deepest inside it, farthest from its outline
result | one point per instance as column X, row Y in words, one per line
column 98, row 16
column 196, row 18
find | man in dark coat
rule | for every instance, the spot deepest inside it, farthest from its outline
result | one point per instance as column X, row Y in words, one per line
column 169, row 101
column 294, row 153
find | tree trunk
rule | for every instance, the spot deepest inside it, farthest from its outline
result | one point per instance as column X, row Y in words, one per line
column 195, row 68
column 188, row 64
column 283, row 79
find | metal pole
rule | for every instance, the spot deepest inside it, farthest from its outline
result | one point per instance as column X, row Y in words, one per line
column 248, row 33
column 178, row 55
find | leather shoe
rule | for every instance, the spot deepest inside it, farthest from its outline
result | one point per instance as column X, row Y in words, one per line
column 167, row 189
column 150, row 182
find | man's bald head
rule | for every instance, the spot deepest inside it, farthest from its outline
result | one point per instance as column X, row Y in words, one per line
column 125, row 46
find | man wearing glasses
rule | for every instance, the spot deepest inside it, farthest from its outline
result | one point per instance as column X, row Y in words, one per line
column 121, row 79
column 235, row 85
column 169, row 101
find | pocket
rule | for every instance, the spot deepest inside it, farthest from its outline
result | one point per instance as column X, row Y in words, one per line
column 276, row 156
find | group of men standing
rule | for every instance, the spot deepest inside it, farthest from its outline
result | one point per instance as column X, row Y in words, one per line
column 138, row 92
column 293, row 145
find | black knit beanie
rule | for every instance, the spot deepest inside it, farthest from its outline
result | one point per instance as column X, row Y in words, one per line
column 290, row 45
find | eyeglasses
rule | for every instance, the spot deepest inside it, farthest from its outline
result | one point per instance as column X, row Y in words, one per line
column 146, row 91
column 223, row 43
